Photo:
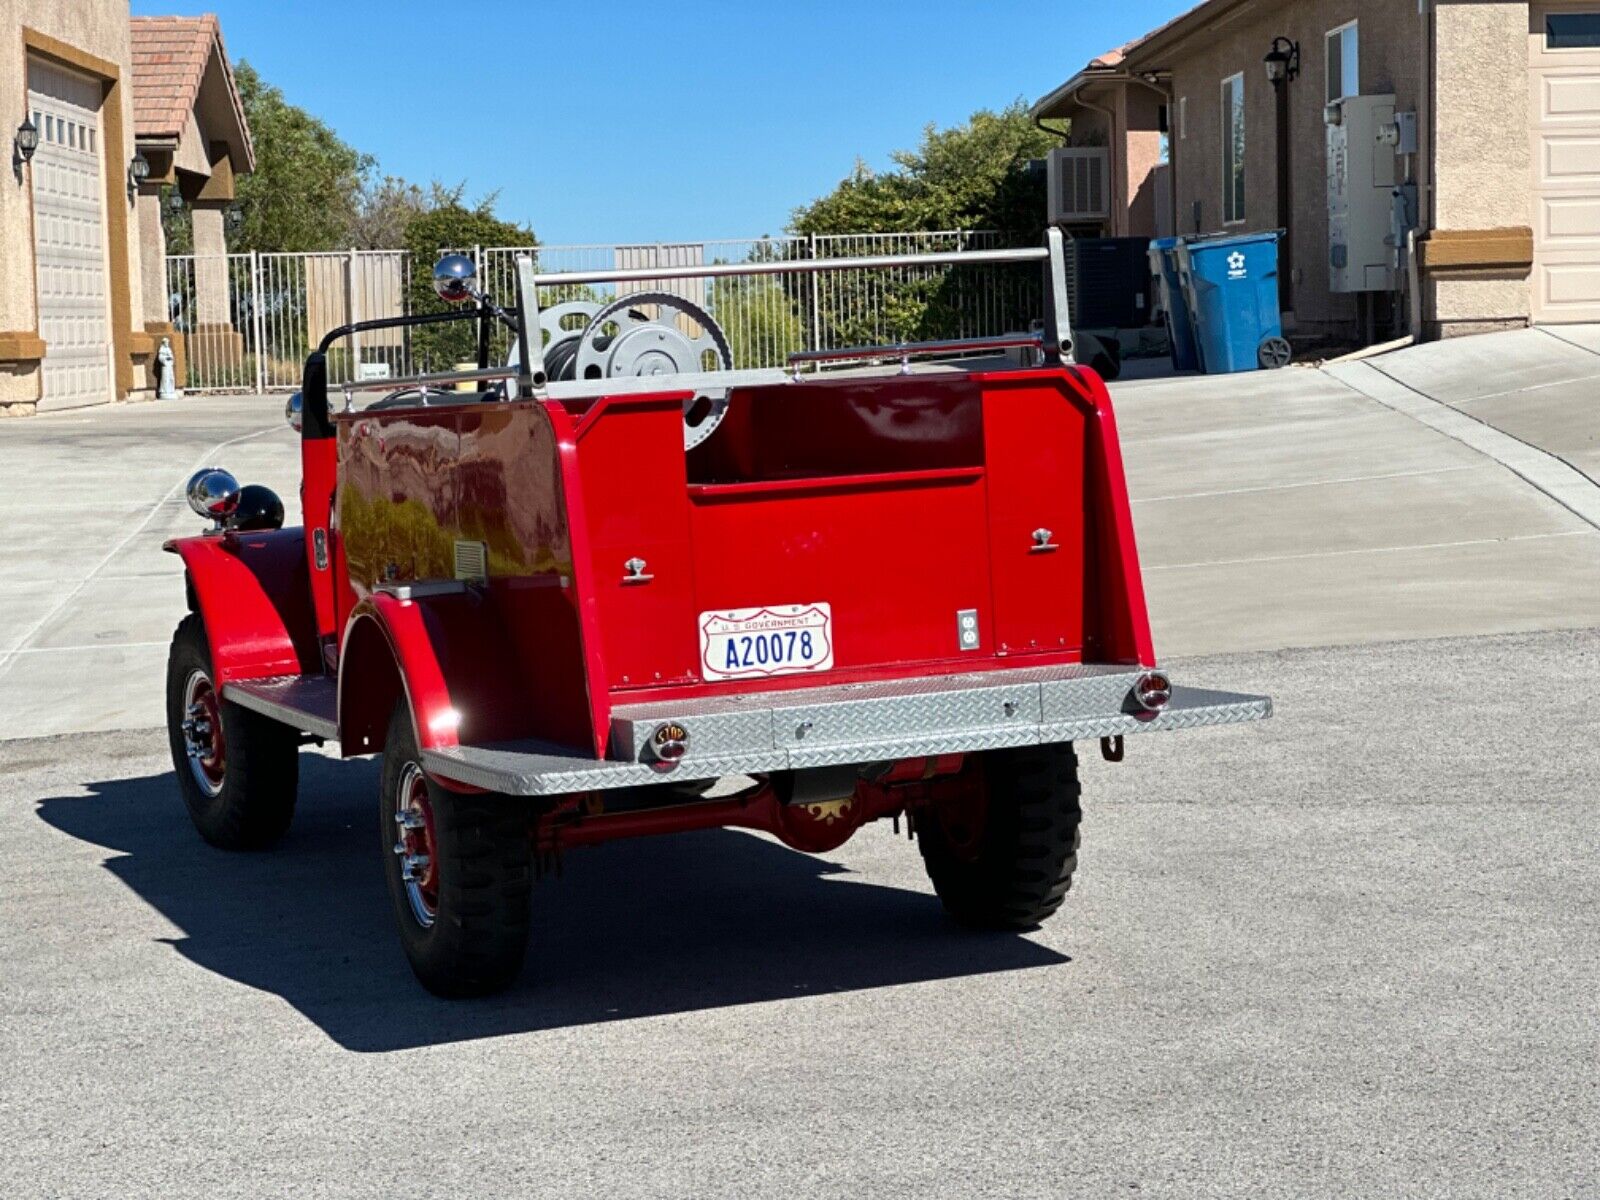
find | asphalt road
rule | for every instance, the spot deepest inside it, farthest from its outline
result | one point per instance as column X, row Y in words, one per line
column 1351, row 952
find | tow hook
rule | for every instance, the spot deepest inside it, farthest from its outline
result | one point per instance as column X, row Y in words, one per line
column 1111, row 748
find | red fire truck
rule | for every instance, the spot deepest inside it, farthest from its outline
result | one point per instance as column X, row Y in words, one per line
column 624, row 587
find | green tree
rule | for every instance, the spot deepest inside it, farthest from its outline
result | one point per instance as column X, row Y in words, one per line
column 306, row 189
column 451, row 224
column 974, row 176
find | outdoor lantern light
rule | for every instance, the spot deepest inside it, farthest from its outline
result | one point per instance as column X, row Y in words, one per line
column 138, row 171
column 175, row 200
column 1283, row 61
column 25, row 143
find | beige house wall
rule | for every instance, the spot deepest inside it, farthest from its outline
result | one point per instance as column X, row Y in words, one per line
column 90, row 35
column 1391, row 60
column 1484, row 171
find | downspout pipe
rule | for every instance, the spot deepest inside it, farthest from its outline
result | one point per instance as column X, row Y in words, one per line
column 1111, row 155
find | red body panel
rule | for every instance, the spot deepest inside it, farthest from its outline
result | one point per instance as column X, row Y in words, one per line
column 253, row 592
column 898, row 501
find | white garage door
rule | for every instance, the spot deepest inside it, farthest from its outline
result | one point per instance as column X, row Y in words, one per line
column 69, row 235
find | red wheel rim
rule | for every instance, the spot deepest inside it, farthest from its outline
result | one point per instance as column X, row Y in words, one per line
column 202, row 733
column 415, row 844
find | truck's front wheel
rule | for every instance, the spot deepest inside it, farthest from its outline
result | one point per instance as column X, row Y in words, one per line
column 237, row 769
column 459, row 873
column 1001, row 855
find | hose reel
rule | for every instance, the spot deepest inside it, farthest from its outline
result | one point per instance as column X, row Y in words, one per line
column 645, row 334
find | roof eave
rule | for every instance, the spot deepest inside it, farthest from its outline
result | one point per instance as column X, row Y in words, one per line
column 1146, row 53
column 1052, row 106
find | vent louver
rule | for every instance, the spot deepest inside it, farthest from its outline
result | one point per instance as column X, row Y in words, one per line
column 1080, row 184
column 472, row 561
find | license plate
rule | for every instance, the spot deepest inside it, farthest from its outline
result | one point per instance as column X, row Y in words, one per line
column 758, row 643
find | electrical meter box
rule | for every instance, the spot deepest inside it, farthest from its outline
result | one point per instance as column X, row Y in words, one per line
column 1362, row 173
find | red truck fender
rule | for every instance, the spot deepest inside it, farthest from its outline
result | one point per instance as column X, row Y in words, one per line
column 252, row 592
column 445, row 654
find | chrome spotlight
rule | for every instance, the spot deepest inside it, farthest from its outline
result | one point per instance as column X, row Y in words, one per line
column 455, row 278
column 213, row 493
column 294, row 412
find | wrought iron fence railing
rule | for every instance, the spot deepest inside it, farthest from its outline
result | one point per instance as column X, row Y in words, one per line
column 247, row 321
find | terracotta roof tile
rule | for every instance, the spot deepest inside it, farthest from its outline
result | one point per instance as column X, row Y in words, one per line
column 169, row 64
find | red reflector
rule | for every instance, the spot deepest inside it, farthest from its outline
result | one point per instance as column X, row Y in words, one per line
column 1152, row 691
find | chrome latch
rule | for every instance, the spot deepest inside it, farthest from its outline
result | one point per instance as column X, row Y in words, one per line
column 636, row 573
column 1043, row 542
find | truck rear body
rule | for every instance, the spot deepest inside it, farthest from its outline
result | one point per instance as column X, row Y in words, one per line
column 918, row 525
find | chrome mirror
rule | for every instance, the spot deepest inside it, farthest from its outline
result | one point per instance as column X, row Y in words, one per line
column 455, row 278
column 294, row 412
column 213, row 493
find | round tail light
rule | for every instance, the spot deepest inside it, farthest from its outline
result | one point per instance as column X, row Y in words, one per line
column 668, row 744
column 1152, row 691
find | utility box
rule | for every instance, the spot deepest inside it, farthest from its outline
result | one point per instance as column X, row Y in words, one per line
column 1362, row 174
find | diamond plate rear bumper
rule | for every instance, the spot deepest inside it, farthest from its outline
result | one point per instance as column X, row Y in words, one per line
column 827, row 726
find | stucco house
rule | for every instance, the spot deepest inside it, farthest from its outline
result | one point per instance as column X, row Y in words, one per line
column 101, row 112
column 1224, row 119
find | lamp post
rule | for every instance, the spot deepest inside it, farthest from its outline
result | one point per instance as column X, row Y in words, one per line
column 1283, row 68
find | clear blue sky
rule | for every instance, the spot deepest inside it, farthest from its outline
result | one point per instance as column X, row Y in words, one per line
column 623, row 121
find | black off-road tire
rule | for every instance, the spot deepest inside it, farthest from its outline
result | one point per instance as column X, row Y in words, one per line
column 1016, row 870
column 478, row 935
column 253, row 802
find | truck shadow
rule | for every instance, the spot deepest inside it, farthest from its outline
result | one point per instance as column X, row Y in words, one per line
column 633, row 929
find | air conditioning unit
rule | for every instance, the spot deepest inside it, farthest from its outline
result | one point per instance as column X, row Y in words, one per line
column 1080, row 184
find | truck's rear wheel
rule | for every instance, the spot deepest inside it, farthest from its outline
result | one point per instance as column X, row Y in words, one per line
column 459, row 872
column 1001, row 856
column 237, row 769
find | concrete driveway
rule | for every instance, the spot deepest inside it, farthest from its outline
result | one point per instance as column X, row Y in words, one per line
column 88, row 600
column 1298, row 508
column 1317, row 507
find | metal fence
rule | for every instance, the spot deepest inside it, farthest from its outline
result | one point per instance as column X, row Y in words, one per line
column 248, row 320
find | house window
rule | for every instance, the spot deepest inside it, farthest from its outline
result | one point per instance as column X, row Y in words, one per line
column 1183, row 118
column 1344, row 62
column 1233, row 150
column 1572, row 31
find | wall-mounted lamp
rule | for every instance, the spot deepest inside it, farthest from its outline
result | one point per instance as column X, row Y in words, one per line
column 23, row 146
column 175, row 200
column 138, row 172
column 1283, row 62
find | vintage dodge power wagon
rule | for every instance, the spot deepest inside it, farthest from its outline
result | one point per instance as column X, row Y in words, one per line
column 893, row 581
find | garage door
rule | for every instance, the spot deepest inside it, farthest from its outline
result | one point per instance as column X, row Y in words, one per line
column 69, row 235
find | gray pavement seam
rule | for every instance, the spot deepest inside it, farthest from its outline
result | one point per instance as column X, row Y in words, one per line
column 1566, row 341
column 1267, row 558
column 1305, row 483
column 1566, row 485
column 32, row 631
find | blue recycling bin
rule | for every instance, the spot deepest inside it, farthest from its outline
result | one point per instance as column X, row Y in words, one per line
column 1174, row 304
column 1231, row 284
